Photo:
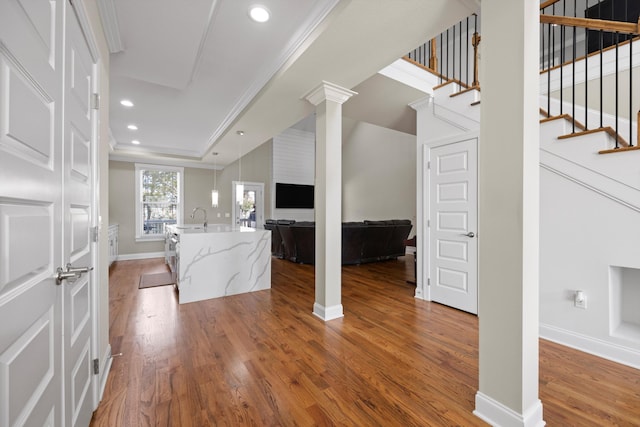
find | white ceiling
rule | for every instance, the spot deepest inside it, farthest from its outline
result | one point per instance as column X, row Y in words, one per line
column 198, row 74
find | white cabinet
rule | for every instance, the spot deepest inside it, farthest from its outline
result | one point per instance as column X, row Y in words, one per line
column 113, row 243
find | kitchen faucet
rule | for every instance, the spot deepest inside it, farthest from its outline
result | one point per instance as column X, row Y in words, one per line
column 193, row 214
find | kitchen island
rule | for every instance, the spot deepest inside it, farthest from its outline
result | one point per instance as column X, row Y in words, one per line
column 220, row 260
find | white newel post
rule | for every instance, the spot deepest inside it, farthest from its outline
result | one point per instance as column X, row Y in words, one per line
column 509, row 215
column 328, row 99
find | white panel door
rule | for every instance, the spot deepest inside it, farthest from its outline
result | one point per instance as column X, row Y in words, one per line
column 453, row 224
column 78, row 196
column 30, row 212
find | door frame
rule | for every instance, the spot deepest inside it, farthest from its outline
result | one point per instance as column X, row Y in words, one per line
column 98, row 380
column 259, row 202
column 423, row 290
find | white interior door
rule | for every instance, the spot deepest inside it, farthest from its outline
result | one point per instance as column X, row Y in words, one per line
column 248, row 209
column 453, row 223
column 30, row 212
column 45, row 216
column 78, row 209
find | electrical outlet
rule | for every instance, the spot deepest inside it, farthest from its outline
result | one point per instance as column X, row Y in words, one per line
column 218, row 214
column 227, row 215
column 580, row 300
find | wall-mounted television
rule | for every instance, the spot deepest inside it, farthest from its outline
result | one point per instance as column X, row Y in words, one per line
column 294, row 196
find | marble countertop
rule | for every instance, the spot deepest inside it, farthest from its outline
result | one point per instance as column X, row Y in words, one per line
column 211, row 228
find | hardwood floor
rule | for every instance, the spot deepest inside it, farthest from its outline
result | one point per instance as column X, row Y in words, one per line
column 263, row 359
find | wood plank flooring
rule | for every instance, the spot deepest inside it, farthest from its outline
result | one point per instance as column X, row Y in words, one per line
column 262, row 359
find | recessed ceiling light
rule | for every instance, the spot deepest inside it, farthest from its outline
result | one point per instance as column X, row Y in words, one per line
column 126, row 103
column 135, row 142
column 132, row 127
column 259, row 13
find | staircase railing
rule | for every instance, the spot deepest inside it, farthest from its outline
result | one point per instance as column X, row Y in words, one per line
column 582, row 52
column 453, row 54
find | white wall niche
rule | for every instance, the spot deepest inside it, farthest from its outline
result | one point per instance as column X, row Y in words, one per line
column 624, row 310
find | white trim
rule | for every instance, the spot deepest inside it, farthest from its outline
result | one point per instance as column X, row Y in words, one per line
column 407, row 73
column 210, row 18
column 87, row 30
column 104, row 372
column 327, row 91
column 109, row 19
column 141, row 255
column 139, row 167
column 328, row 313
column 315, row 18
column 614, row 352
column 497, row 414
column 164, row 162
column 603, row 185
column 259, row 201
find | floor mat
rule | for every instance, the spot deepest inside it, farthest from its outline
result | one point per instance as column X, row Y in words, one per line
column 157, row 279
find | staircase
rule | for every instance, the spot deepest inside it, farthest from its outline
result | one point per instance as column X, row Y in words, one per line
column 589, row 207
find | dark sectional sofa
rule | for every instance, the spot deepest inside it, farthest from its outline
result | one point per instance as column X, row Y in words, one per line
column 362, row 242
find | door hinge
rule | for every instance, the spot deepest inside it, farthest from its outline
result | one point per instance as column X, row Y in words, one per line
column 428, row 165
column 95, row 101
column 428, row 223
column 96, row 366
column 94, row 234
column 428, row 282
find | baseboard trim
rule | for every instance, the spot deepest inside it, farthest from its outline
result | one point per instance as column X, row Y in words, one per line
column 497, row 414
column 328, row 313
column 610, row 351
column 104, row 372
column 142, row 255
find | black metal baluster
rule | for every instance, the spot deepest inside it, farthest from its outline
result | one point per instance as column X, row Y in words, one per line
column 453, row 57
column 573, row 75
column 441, row 58
column 447, row 54
column 586, row 70
column 617, row 45
column 467, row 61
column 630, row 91
column 601, row 55
column 460, row 49
column 548, row 73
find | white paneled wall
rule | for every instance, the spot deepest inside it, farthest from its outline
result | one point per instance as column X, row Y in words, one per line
column 293, row 163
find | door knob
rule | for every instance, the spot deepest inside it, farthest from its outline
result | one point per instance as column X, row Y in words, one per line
column 470, row 234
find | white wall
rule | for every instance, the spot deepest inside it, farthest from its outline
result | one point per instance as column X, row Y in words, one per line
column 583, row 233
column 378, row 174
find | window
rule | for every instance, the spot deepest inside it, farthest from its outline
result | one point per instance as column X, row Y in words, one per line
column 158, row 199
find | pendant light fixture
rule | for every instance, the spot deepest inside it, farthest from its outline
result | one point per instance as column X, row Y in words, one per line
column 214, row 192
column 240, row 185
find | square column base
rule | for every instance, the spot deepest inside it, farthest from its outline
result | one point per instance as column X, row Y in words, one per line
column 496, row 414
column 327, row 313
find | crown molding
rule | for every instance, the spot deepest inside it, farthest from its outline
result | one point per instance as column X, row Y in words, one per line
column 109, row 18
column 327, row 91
column 297, row 42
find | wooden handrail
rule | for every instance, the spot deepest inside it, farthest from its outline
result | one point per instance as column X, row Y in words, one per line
column 548, row 3
column 592, row 24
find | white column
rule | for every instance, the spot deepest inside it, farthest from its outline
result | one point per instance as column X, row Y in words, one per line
column 509, row 214
column 422, row 232
column 328, row 99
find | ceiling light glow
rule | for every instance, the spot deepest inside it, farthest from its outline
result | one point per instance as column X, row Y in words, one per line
column 135, row 142
column 259, row 13
column 132, row 127
column 126, row 103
